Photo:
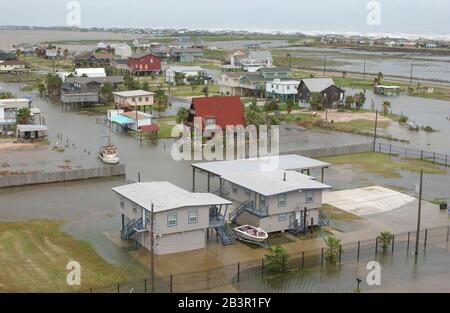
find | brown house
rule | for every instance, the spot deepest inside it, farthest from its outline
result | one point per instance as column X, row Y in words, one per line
column 331, row 93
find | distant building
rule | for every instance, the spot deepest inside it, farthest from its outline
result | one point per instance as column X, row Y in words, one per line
column 7, row 56
column 81, row 91
column 254, row 84
column 183, row 42
column 140, row 100
column 123, row 51
column 89, row 58
column 90, row 72
column 256, row 60
column 8, row 113
column 219, row 111
column 431, row 45
column 35, row 132
column 187, row 55
column 325, row 86
column 12, row 66
column 144, row 63
column 186, row 71
column 282, row 90
column 230, row 84
column 127, row 120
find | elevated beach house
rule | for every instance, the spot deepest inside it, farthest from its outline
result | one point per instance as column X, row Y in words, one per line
column 275, row 200
column 139, row 100
column 282, row 89
column 82, row 91
column 181, row 220
column 331, row 93
column 144, row 63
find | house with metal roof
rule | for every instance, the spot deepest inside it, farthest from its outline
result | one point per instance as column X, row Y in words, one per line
column 140, row 100
column 331, row 93
column 254, row 84
column 129, row 120
column 176, row 220
column 274, row 200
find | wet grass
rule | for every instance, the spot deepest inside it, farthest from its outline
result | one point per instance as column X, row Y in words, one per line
column 315, row 233
column 97, row 110
column 34, row 255
column 383, row 164
column 333, row 212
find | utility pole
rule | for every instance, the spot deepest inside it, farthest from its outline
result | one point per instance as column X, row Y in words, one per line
column 324, row 65
column 364, row 69
column 375, row 132
column 411, row 77
column 419, row 215
column 152, row 242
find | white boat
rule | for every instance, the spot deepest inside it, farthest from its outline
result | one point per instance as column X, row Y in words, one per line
column 251, row 233
column 412, row 125
column 108, row 155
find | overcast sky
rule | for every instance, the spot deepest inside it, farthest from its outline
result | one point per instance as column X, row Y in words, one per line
column 407, row 16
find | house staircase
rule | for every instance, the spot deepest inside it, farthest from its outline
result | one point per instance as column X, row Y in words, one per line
column 323, row 220
column 132, row 228
column 226, row 234
column 240, row 209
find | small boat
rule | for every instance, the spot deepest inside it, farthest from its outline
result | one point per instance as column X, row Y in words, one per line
column 251, row 233
column 108, row 155
column 412, row 125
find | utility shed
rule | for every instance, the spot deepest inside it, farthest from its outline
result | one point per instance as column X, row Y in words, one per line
column 39, row 132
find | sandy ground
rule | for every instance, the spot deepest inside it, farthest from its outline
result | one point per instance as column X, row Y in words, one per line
column 334, row 115
column 11, row 145
column 367, row 201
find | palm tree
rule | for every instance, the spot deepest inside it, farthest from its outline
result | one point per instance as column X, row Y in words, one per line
column 23, row 116
column 386, row 107
column 182, row 115
column 145, row 86
column 316, row 101
column 385, row 238
column 161, row 100
column 54, row 84
column 276, row 259
column 332, row 249
column 290, row 105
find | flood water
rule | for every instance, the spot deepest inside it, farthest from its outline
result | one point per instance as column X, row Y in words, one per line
column 425, row 66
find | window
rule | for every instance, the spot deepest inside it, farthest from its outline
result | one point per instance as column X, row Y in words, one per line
column 147, row 216
column 146, row 99
column 151, row 60
column 210, row 122
column 282, row 217
column 282, row 200
column 235, row 188
column 140, row 99
column 135, row 207
column 247, row 193
column 133, row 99
column 309, row 196
column 262, row 201
column 172, row 220
column 193, row 217
column 122, row 202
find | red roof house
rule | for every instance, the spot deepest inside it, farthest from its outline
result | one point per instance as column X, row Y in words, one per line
column 144, row 62
column 220, row 111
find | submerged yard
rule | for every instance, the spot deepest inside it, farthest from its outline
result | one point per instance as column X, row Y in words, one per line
column 34, row 255
column 384, row 164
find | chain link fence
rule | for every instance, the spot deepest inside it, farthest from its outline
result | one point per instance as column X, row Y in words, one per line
column 232, row 274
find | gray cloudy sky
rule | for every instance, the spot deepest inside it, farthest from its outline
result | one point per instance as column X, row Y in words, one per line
column 408, row 16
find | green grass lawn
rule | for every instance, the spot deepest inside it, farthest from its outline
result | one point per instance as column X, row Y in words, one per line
column 97, row 110
column 187, row 91
column 383, row 164
column 34, row 255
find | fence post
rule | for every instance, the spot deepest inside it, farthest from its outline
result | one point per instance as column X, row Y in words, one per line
column 359, row 249
column 239, row 272
column 376, row 247
column 303, row 260
column 446, row 156
column 434, row 156
column 448, row 232
column 171, row 283
column 379, row 147
column 340, row 253
column 321, row 258
column 421, row 155
column 426, row 237
column 145, row 285
column 393, row 243
column 262, row 268
column 390, row 149
column 407, row 246
column 406, row 153
column 118, row 288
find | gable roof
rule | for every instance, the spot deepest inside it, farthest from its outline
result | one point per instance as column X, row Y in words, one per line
column 133, row 93
column 227, row 110
column 317, row 84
